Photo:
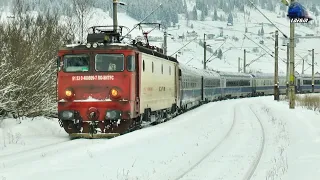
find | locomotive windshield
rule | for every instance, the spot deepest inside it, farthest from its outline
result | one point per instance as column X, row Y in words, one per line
column 76, row 63
column 109, row 62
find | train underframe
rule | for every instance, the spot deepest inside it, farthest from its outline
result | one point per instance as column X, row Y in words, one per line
column 100, row 127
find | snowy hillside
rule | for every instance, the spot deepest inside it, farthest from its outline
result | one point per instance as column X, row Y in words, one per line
column 233, row 41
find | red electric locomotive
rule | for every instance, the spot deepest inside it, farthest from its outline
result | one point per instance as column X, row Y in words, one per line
column 99, row 85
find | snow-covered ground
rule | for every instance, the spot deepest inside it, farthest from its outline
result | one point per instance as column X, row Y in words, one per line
column 19, row 135
column 220, row 140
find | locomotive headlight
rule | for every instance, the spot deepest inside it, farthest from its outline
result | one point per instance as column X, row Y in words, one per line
column 95, row 45
column 69, row 92
column 88, row 45
column 114, row 93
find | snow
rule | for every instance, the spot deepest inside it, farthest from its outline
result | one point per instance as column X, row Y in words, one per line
column 219, row 140
column 19, row 135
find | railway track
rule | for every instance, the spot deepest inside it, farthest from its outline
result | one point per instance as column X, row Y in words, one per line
column 211, row 150
column 256, row 161
column 23, row 157
column 253, row 166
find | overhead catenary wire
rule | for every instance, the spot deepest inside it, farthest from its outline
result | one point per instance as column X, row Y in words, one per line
column 266, row 50
column 216, row 50
column 184, row 45
column 142, row 20
column 284, row 35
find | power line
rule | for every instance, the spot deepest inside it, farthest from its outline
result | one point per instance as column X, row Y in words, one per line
column 184, row 46
column 142, row 21
column 216, row 50
column 265, row 49
column 268, row 19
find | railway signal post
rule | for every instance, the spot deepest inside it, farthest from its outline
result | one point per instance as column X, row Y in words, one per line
column 276, row 81
column 292, row 102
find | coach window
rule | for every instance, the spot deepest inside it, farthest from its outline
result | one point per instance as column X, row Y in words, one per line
column 131, row 63
column 109, row 62
column 76, row 63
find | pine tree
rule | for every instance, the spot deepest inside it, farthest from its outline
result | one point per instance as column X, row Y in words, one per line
column 205, row 10
column 195, row 13
column 198, row 4
column 241, row 8
column 220, row 54
column 175, row 18
column 262, row 31
column 230, row 19
column 202, row 16
column 215, row 15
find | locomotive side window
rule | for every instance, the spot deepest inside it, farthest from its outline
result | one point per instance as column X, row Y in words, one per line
column 152, row 68
column 109, row 62
column 143, row 65
column 131, row 63
column 76, row 63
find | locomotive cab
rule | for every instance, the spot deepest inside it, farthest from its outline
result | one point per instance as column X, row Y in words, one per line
column 97, row 87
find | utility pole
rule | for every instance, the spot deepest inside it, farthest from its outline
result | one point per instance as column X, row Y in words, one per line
column 239, row 64
column 288, row 70
column 276, row 82
column 292, row 102
column 244, row 60
column 302, row 72
column 312, row 71
column 204, row 52
column 165, row 42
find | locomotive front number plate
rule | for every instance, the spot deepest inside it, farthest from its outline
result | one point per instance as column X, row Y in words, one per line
column 93, row 78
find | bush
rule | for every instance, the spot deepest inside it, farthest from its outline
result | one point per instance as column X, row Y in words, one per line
column 28, row 64
column 311, row 102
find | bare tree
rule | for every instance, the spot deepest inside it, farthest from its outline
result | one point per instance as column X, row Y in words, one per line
column 28, row 63
column 82, row 8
